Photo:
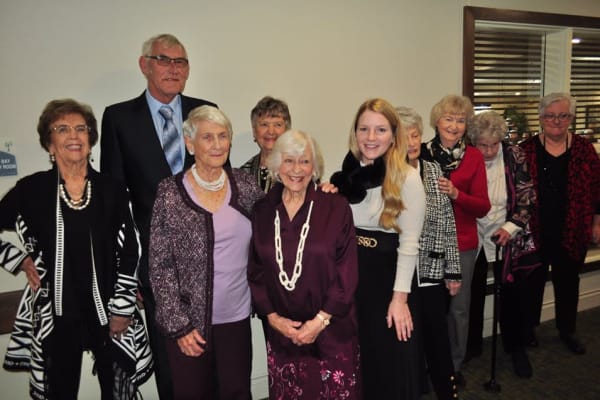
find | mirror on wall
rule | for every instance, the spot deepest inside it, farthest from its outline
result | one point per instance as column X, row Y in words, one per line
column 512, row 58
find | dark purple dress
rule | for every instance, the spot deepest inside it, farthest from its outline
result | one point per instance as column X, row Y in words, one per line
column 328, row 368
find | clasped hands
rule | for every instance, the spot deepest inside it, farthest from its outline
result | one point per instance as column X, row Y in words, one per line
column 299, row 333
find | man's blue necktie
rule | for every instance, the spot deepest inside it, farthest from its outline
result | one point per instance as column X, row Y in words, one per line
column 170, row 140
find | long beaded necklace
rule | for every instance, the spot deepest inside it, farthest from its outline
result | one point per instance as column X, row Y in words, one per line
column 213, row 186
column 80, row 204
column 287, row 282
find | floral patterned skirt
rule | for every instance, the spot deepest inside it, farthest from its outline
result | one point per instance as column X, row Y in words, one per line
column 309, row 373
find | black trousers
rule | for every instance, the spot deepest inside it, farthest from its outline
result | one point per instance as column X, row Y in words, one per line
column 565, row 280
column 517, row 308
column 433, row 308
column 64, row 349
column 516, row 321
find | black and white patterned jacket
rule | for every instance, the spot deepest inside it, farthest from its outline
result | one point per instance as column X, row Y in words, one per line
column 438, row 247
column 32, row 210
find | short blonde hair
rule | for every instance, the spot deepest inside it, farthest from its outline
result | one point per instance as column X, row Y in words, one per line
column 451, row 104
column 294, row 142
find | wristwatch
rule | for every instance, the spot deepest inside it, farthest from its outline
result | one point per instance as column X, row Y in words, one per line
column 324, row 320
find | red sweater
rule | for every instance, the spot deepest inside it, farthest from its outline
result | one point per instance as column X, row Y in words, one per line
column 472, row 201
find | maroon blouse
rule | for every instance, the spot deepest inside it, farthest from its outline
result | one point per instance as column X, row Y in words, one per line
column 329, row 267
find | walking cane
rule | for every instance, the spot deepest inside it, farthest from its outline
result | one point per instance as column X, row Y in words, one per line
column 492, row 385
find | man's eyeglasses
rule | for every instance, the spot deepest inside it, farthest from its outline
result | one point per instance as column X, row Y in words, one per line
column 561, row 117
column 66, row 129
column 165, row 61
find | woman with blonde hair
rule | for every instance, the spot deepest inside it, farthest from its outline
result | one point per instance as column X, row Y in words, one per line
column 388, row 205
column 464, row 182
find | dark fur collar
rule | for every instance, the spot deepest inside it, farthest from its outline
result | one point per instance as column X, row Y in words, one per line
column 354, row 180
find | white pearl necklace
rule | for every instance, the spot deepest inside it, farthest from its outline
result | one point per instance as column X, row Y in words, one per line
column 213, row 186
column 77, row 204
column 287, row 282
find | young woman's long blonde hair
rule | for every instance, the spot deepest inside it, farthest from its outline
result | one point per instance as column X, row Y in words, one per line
column 396, row 165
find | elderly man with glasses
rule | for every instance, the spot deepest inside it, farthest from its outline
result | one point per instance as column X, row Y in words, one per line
column 141, row 144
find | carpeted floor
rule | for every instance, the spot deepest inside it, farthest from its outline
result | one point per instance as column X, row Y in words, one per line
column 557, row 373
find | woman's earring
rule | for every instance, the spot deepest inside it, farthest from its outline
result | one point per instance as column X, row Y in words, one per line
column 52, row 158
column 191, row 151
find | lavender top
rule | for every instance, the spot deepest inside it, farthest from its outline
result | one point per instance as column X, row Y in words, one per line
column 231, row 293
column 182, row 251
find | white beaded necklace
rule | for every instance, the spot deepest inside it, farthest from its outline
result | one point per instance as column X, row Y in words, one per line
column 77, row 204
column 213, row 186
column 287, row 282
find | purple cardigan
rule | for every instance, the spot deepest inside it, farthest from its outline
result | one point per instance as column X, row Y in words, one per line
column 181, row 253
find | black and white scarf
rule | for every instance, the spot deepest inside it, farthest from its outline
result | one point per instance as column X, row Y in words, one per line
column 448, row 159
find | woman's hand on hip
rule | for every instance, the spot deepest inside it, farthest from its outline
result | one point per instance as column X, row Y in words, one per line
column 398, row 315
column 192, row 344
column 118, row 326
column 33, row 278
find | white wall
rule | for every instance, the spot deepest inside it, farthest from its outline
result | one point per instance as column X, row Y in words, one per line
column 323, row 57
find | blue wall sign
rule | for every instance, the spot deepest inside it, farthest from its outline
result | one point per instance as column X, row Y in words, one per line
column 8, row 164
